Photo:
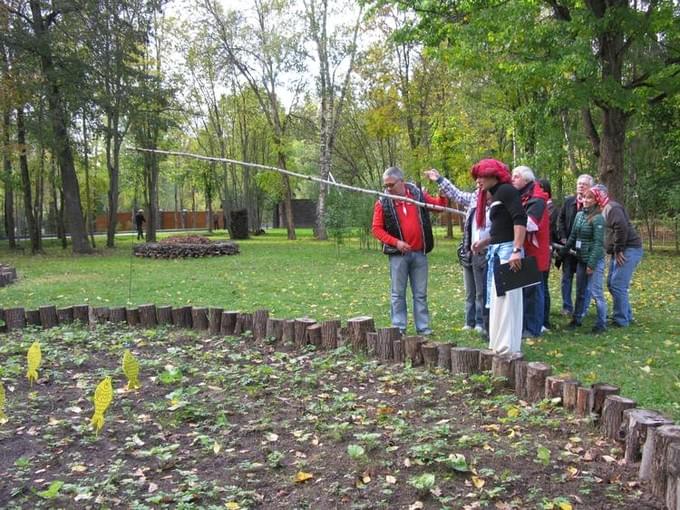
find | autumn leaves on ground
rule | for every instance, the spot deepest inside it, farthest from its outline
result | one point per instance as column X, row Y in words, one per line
column 224, row 422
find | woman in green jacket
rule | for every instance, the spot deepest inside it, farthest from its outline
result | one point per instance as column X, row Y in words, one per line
column 587, row 239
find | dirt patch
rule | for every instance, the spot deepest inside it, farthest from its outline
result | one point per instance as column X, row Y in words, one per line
column 227, row 421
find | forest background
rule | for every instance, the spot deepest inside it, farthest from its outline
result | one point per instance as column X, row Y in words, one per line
column 339, row 89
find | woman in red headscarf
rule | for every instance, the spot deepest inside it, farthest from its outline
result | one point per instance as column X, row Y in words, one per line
column 505, row 241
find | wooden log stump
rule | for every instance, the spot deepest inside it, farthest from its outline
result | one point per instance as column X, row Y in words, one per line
column 314, row 335
column 520, row 381
column 371, row 344
column 164, row 315
column 181, row 317
column 301, row 326
column 412, row 350
column 132, row 316
column 569, row 390
column 584, row 397
column 647, row 469
column 260, row 323
column 537, row 373
column 81, row 313
column 275, row 328
column 199, row 318
column 430, row 352
column 147, row 316
column 99, row 314
column 117, row 314
column 503, row 365
column 288, row 333
column 600, row 393
column 636, row 424
column 553, row 387
column 228, row 322
column 48, row 316
column 65, row 315
column 383, row 347
column 244, row 322
column 444, row 355
column 486, row 359
column 343, row 336
column 673, row 480
column 663, row 437
column 15, row 318
column 398, row 350
column 3, row 326
column 357, row 328
column 612, row 415
column 32, row 317
column 464, row 360
column 329, row 334
column 215, row 320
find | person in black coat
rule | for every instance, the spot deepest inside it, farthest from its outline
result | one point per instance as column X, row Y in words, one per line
column 139, row 223
column 572, row 205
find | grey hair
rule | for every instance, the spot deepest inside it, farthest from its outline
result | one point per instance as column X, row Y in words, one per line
column 587, row 177
column 395, row 172
column 526, row 173
column 601, row 188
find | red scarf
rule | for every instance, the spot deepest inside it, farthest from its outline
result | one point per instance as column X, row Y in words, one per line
column 601, row 197
column 488, row 168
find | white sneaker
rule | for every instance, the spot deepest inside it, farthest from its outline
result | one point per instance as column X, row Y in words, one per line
column 544, row 329
column 466, row 328
column 479, row 329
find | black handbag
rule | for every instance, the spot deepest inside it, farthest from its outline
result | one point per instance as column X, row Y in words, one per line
column 464, row 256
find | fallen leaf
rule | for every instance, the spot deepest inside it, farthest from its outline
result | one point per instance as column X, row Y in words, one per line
column 152, row 487
column 418, row 505
column 478, row 482
column 78, row 468
column 233, row 505
column 216, row 448
column 271, row 437
column 390, row 479
column 301, row 476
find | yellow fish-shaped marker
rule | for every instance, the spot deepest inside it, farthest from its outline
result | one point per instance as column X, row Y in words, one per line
column 103, row 395
column 3, row 418
column 131, row 370
column 34, row 357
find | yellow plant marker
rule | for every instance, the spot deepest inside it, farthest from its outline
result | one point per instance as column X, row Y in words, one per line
column 103, row 395
column 3, row 418
column 34, row 357
column 131, row 370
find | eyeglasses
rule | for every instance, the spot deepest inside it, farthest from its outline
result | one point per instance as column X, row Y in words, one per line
column 390, row 185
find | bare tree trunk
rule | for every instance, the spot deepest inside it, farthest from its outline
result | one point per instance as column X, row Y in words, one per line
column 7, row 177
column 610, row 164
column 89, row 212
column 33, row 232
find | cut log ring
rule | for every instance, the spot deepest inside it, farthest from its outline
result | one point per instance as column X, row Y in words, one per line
column 384, row 348
column 537, row 373
column 357, row 328
column 430, row 353
column 464, row 360
column 412, row 350
column 444, row 355
column 329, row 334
column 662, row 437
column 503, row 365
column 569, row 393
column 486, row 359
column 520, row 369
column 636, row 424
column 612, row 415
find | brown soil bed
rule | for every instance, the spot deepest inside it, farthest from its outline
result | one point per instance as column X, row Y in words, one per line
column 230, row 423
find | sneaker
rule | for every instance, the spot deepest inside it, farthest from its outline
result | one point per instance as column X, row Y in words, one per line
column 545, row 330
column 479, row 329
column 598, row 329
column 466, row 328
column 425, row 332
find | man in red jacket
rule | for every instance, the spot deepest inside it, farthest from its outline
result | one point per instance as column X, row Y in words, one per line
column 405, row 231
column 536, row 244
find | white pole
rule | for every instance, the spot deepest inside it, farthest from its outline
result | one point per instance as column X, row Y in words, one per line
column 436, row 208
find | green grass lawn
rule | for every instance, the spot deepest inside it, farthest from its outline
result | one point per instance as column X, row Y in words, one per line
column 323, row 281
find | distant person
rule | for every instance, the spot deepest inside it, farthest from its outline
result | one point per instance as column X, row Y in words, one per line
column 405, row 231
column 586, row 239
column 474, row 263
column 536, row 244
column 572, row 204
column 139, row 223
column 553, row 215
column 505, row 244
column 623, row 244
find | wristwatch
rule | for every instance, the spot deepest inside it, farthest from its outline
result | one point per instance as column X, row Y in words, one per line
column 516, row 250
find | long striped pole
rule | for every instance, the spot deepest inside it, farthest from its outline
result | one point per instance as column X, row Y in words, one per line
column 432, row 207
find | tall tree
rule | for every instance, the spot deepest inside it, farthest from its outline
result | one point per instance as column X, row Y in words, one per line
column 334, row 48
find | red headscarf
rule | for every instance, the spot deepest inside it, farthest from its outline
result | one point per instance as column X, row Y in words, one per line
column 488, row 168
column 601, row 195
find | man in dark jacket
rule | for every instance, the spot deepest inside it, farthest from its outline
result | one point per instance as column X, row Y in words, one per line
column 139, row 223
column 571, row 206
column 406, row 233
column 623, row 244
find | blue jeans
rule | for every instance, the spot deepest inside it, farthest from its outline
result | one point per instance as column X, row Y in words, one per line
column 590, row 287
column 568, row 271
column 546, row 299
column 410, row 267
column 618, row 283
column 474, row 278
column 533, row 309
